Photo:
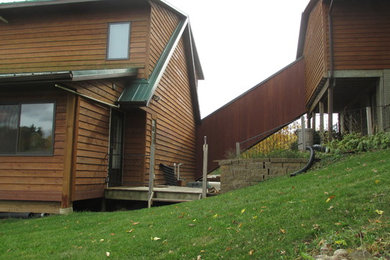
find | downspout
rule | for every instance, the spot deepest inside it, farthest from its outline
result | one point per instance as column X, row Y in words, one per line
column 331, row 61
column 332, row 82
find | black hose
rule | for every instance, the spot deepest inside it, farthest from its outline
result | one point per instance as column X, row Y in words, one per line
column 308, row 165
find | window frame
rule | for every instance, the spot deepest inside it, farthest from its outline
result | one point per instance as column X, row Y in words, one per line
column 29, row 154
column 108, row 41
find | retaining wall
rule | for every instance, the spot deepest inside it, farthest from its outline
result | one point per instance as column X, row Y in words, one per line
column 240, row 173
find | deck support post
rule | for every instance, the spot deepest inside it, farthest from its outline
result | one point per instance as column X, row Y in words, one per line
column 303, row 133
column 204, row 179
column 321, row 108
column 330, row 112
column 314, row 120
column 151, row 164
column 369, row 121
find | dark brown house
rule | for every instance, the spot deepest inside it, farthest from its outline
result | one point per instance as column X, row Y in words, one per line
column 85, row 88
column 345, row 45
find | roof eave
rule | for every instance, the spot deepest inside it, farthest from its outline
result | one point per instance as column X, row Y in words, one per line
column 43, row 3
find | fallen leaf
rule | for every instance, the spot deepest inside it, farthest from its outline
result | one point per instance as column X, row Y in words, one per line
column 215, row 216
column 240, row 225
column 101, row 240
column 330, row 208
column 374, row 170
column 112, row 234
column 330, row 198
column 282, row 252
column 254, row 217
column 191, row 225
column 283, row 231
column 199, row 257
column 108, row 254
column 316, row 226
column 326, row 193
column 341, row 242
column 210, row 228
column 129, row 231
column 135, row 223
column 228, row 249
column 251, row 252
column 338, row 224
column 364, row 164
column 155, row 238
column 242, row 211
column 379, row 212
column 377, row 181
column 202, row 251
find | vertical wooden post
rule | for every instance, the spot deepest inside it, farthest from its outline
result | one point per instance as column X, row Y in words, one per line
column 238, row 149
column 66, row 201
column 308, row 115
column 369, row 121
column 204, row 179
column 330, row 112
column 314, row 120
column 151, row 164
column 321, row 108
column 303, row 133
column 342, row 123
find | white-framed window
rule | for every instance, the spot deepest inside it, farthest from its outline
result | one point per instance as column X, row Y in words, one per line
column 27, row 129
column 118, row 41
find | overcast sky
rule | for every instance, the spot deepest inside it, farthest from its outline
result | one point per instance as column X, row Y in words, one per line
column 240, row 43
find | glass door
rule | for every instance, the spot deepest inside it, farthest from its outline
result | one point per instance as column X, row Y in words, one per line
column 116, row 149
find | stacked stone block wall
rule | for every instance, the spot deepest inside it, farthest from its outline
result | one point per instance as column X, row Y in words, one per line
column 240, row 173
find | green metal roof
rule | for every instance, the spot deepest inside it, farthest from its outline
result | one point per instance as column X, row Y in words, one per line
column 140, row 91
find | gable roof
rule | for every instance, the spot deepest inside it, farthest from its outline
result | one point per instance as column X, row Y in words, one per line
column 303, row 28
column 140, row 91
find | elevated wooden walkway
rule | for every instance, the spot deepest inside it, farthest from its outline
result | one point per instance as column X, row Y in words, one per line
column 161, row 193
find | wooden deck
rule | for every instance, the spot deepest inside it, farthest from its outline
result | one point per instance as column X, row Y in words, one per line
column 161, row 193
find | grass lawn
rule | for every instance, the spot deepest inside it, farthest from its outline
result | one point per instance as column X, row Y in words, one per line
column 346, row 203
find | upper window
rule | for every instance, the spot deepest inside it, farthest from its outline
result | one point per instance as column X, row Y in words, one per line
column 118, row 41
column 27, row 129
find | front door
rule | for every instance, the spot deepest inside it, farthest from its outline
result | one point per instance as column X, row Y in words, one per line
column 116, row 149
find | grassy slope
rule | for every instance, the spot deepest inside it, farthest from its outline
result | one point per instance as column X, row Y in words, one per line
column 278, row 219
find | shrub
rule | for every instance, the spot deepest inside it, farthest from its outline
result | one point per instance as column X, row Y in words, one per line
column 352, row 143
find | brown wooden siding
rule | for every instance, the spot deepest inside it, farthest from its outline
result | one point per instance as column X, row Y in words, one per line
column 315, row 49
column 361, row 33
column 134, row 148
column 55, row 39
column 92, row 137
column 35, row 177
column 162, row 24
column 272, row 104
column 175, row 132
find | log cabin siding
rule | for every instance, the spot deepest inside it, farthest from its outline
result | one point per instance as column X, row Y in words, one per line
column 35, row 177
column 162, row 25
column 56, row 39
column 315, row 49
column 175, row 122
column 361, row 32
column 134, row 148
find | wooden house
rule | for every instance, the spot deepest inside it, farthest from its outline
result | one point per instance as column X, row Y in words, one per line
column 345, row 45
column 342, row 67
column 87, row 87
